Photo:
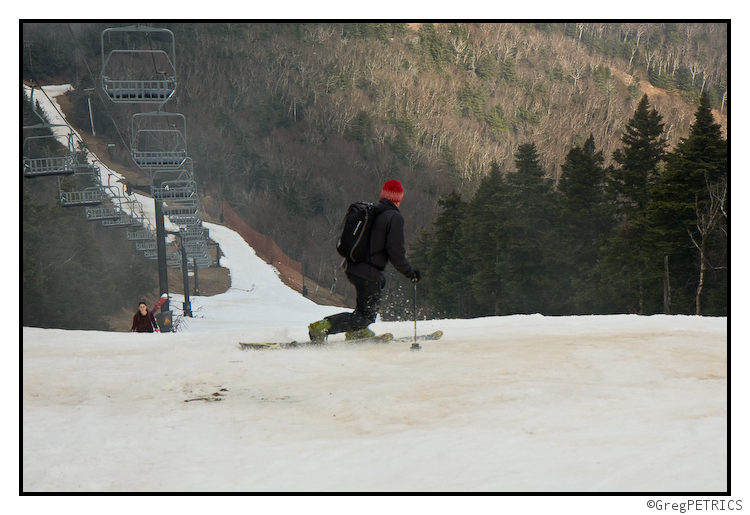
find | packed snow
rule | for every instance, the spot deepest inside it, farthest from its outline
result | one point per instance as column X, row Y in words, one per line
column 524, row 403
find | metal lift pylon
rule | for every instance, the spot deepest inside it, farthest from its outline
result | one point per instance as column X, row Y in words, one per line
column 134, row 71
column 138, row 67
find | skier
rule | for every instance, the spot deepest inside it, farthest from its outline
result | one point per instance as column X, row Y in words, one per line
column 386, row 245
column 143, row 320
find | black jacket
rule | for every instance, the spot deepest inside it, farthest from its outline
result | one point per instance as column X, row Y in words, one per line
column 387, row 244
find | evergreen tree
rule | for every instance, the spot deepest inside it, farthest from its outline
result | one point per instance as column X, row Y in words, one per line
column 473, row 100
column 483, row 239
column 486, row 67
column 59, row 270
column 582, row 185
column 450, row 288
column 629, row 273
column 644, row 147
column 583, row 221
column 433, row 45
column 68, row 282
column 628, row 278
column 531, row 209
column 496, row 120
column 689, row 213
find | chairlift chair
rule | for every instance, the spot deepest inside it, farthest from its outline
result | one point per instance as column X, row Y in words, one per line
column 48, row 165
column 140, row 235
column 43, row 154
column 92, row 196
column 113, row 200
column 131, row 214
column 174, row 190
column 194, row 231
column 133, row 71
column 102, row 213
column 174, row 260
column 145, row 245
column 183, row 211
column 158, row 141
column 83, row 188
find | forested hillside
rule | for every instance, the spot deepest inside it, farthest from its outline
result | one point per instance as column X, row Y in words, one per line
column 494, row 130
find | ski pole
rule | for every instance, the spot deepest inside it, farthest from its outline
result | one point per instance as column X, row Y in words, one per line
column 415, row 345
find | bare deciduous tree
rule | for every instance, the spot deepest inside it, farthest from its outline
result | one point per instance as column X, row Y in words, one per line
column 709, row 219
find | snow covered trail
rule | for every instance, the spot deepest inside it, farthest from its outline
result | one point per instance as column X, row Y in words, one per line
column 504, row 404
column 258, row 306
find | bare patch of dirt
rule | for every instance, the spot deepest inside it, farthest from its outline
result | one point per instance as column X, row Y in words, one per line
column 657, row 93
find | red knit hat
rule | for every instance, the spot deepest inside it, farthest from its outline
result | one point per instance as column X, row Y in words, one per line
column 393, row 191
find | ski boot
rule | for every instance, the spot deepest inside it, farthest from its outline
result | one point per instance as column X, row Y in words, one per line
column 318, row 331
column 362, row 334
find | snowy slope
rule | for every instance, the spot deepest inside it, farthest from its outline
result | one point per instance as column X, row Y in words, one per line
column 501, row 404
column 521, row 403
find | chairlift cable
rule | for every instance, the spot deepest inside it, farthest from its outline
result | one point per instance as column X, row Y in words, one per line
column 98, row 90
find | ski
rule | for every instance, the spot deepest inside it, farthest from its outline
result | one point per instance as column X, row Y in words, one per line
column 382, row 338
column 159, row 302
column 422, row 337
column 282, row 345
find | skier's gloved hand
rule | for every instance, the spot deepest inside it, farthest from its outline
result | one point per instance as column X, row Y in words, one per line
column 415, row 278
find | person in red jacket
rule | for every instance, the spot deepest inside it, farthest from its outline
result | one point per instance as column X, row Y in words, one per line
column 387, row 246
column 143, row 320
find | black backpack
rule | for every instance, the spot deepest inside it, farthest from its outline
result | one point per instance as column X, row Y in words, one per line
column 354, row 242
